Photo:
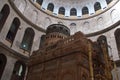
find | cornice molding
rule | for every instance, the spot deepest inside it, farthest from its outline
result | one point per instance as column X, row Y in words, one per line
column 104, row 30
column 14, row 53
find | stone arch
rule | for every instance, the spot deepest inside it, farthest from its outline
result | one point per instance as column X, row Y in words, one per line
column 97, row 6
column 61, row 10
column 50, row 7
column 19, row 71
column 100, row 21
column 13, row 30
column 85, row 10
column 86, row 24
column 114, row 15
column 3, row 61
column 47, row 22
column 102, row 42
column 73, row 28
column 73, row 12
column 21, row 5
column 117, row 38
column 34, row 15
column 4, row 15
column 28, row 38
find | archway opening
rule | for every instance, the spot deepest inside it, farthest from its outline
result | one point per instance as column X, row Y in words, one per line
column 3, row 61
column 19, row 71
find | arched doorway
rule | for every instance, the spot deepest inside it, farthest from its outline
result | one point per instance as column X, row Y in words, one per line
column 3, row 61
column 102, row 40
column 117, row 37
column 18, row 71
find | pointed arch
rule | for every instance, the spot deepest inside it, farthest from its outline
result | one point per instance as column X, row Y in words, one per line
column 13, row 30
column 4, row 15
column 27, row 41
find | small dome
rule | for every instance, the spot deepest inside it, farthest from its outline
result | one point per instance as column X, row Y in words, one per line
column 60, row 28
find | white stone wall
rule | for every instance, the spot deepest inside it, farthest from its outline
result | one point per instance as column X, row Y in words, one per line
column 95, row 23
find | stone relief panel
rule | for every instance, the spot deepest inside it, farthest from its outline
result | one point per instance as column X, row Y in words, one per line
column 100, row 22
column 34, row 16
column 73, row 28
column 86, row 24
column 47, row 22
column 21, row 5
column 114, row 15
column 86, row 27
